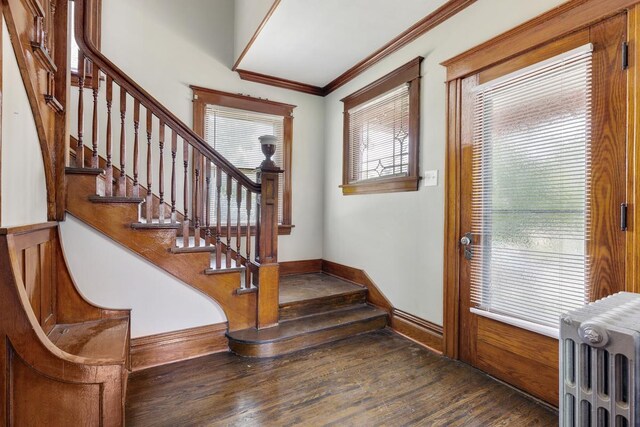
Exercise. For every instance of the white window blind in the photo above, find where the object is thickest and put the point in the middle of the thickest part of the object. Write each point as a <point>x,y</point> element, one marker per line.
<point>379,137</point>
<point>234,134</point>
<point>531,190</point>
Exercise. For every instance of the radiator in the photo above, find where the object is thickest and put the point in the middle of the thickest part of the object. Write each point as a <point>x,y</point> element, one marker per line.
<point>599,355</point>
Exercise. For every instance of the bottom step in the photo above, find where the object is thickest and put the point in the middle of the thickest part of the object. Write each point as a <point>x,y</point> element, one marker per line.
<point>298,334</point>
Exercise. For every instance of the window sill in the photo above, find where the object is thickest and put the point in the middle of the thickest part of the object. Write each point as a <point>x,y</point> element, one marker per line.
<point>390,185</point>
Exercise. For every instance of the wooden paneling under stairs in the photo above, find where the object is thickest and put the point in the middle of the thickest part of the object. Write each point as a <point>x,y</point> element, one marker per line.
<point>314,309</point>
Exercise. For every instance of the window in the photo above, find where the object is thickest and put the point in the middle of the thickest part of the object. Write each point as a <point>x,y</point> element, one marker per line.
<point>381,134</point>
<point>532,180</point>
<point>232,123</point>
<point>76,56</point>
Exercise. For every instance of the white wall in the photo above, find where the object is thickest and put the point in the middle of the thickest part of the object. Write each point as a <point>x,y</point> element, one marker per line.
<point>166,45</point>
<point>112,276</point>
<point>247,18</point>
<point>24,192</point>
<point>398,237</point>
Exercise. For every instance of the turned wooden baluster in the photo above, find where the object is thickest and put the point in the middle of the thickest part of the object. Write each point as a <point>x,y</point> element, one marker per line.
<point>174,152</point>
<point>94,136</point>
<point>218,217</point>
<point>122,182</point>
<point>185,221</point>
<point>80,145</point>
<point>247,271</point>
<point>161,212</point>
<point>228,252</point>
<point>149,202</point>
<point>207,203</point>
<point>109,166</point>
<point>238,222</point>
<point>196,198</point>
<point>135,191</point>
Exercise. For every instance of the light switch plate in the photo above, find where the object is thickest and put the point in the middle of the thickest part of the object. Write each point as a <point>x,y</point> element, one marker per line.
<point>430,178</point>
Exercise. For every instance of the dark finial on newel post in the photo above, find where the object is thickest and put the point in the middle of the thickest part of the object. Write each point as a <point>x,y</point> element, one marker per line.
<point>267,235</point>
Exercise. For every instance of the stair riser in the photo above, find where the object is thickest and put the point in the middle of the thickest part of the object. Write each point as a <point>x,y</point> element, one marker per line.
<point>321,305</point>
<point>278,348</point>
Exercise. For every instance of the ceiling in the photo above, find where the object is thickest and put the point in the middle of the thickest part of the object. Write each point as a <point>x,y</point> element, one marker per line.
<point>315,41</point>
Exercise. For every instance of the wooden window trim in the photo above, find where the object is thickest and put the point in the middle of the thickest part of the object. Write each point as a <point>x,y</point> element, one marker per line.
<point>95,32</point>
<point>203,96</point>
<point>408,73</point>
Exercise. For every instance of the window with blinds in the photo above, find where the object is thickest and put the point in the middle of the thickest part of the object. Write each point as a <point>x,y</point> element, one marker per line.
<point>531,189</point>
<point>234,134</point>
<point>379,137</point>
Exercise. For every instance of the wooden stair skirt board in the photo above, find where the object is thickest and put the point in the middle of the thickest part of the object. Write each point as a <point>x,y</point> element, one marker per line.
<point>171,347</point>
<point>306,332</point>
<point>121,222</point>
<point>421,331</point>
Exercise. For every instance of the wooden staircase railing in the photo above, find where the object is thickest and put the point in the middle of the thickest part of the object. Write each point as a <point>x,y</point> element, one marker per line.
<point>217,200</point>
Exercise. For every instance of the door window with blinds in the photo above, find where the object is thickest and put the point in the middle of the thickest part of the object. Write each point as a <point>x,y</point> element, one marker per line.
<point>531,190</point>
<point>381,134</point>
<point>232,124</point>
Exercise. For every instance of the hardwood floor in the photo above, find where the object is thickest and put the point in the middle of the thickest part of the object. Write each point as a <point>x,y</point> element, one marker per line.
<point>377,378</point>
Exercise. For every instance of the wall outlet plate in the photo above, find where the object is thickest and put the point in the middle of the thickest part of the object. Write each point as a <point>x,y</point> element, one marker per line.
<point>430,178</point>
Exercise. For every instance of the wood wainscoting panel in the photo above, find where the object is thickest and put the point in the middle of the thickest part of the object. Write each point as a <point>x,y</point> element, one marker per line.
<point>419,330</point>
<point>170,347</point>
<point>300,267</point>
<point>537,352</point>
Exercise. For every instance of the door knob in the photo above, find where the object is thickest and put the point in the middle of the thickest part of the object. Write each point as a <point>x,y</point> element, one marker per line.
<point>465,241</point>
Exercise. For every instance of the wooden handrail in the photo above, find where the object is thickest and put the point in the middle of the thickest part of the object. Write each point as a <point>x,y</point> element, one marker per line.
<point>111,70</point>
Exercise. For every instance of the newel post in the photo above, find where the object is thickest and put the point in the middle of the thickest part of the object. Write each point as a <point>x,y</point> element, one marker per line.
<point>267,236</point>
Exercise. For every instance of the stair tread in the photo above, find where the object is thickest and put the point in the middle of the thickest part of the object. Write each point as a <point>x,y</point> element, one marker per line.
<point>83,171</point>
<point>306,325</point>
<point>115,199</point>
<point>156,224</point>
<point>299,288</point>
<point>191,246</point>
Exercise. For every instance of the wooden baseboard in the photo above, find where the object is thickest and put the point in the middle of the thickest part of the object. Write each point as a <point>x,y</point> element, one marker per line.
<point>421,331</point>
<point>417,329</point>
<point>170,347</point>
<point>301,267</point>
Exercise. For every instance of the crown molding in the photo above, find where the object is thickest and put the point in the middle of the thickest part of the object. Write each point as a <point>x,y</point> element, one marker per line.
<point>430,21</point>
<point>279,82</point>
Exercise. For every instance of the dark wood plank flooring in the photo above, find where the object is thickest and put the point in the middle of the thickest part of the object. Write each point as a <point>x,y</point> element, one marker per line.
<point>372,379</point>
<point>301,287</point>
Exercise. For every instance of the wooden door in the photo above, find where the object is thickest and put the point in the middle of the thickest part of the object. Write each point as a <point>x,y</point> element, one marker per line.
<point>511,344</point>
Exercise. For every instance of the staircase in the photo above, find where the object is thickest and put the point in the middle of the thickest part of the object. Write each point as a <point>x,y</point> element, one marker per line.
<point>315,308</point>
<point>198,217</point>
